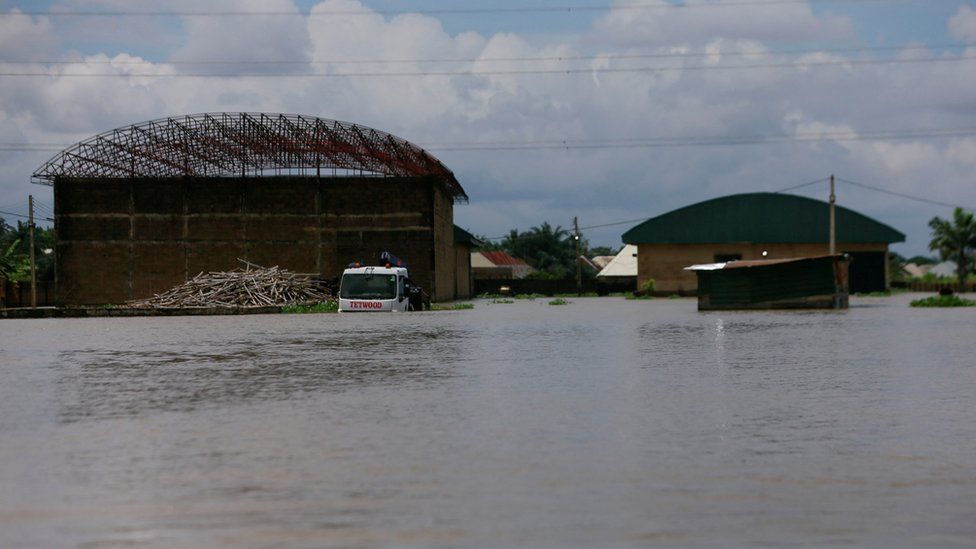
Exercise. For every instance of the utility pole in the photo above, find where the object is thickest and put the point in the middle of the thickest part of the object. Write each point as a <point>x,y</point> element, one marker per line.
<point>30,226</point>
<point>579,268</point>
<point>833,228</point>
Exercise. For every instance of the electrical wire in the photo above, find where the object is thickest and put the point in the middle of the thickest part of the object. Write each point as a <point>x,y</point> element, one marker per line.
<point>507,72</point>
<point>565,9</point>
<point>903,195</point>
<point>801,185</point>
<point>551,58</point>
<point>643,142</point>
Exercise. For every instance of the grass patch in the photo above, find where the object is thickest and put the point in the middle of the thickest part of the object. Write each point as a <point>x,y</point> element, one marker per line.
<point>641,297</point>
<point>874,294</point>
<point>327,307</point>
<point>674,296</point>
<point>503,301</point>
<point>943,301</point>
<point>585,294</point>
<point>529,296</point>
<point>559,301</point>
<point>451,307</point>
<point>487,295</point>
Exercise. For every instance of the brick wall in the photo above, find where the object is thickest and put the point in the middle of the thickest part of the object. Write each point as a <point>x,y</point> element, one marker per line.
<point>122,239</point>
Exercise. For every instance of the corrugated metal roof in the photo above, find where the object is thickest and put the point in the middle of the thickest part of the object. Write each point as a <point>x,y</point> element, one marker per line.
<point>739,264</point>
<point>759,218</point>
<point>502,258</point>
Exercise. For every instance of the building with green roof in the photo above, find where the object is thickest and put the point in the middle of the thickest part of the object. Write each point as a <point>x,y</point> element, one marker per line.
<point>757,226</point>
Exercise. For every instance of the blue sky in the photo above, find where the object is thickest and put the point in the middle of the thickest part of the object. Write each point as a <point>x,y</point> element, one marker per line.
<point>522,188</point>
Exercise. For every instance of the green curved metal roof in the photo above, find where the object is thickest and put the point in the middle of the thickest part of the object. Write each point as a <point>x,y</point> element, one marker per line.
<point>759,217</point>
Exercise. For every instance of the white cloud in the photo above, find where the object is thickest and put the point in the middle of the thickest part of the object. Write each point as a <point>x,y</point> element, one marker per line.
<point>963,24</point>
<point>524,188</point>
<point>25,38</point>
<point>702,23</point>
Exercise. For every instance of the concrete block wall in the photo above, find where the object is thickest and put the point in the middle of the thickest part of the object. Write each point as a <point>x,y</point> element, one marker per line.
<point>122,239</point>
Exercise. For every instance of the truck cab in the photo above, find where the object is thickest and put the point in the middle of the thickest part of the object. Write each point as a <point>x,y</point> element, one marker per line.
<point>374,289</point>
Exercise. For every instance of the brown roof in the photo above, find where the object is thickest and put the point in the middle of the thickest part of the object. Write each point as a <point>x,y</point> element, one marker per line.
<point>502,258</point>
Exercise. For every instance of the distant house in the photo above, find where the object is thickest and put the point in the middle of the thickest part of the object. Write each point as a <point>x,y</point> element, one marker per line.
<point>601,261</point>
<point>758,226</point>
<point>914,270</point>
<point>622,266</point>
<point>946,269</point>
<point>498,265</point>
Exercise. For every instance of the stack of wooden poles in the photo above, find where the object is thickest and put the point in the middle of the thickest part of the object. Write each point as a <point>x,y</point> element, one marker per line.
<point>250,286</point>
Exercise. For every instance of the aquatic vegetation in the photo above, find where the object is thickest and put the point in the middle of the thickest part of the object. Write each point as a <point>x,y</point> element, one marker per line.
<point>451,307</point>
<point>325,307</point>
<point>943,301</point>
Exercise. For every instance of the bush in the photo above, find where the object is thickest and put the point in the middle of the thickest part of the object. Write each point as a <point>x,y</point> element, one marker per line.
<point>943,301</point>
<point>559,301</point>
<point>647,287</point>
<point>326,307</point>
<point>452,307</point>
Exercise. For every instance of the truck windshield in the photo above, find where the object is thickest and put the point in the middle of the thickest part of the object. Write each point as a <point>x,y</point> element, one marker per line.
<point>364,286</point>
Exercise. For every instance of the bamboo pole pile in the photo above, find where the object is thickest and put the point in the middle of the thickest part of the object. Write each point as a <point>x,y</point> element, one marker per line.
<point>250,286</point>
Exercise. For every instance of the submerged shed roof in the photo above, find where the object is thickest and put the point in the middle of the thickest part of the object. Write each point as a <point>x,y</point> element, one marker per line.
<point>760,217</point>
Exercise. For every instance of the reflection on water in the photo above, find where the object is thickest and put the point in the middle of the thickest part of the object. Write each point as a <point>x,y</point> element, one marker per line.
<point>103,383</point>
<point>602,423</point>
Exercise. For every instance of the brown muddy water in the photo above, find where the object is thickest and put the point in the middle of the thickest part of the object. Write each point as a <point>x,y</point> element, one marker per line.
<point>602,423</point>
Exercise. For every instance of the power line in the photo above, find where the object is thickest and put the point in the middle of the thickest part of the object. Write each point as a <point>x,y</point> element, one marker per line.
<point>903,195</point>
<point>644,142</point>
<point>506,72</point>
<point>643,219</point>
<point>801,185</point>
<point>550,58</point>
<point>564,9</point>
<point>639,143</point>
<point>14,214</point>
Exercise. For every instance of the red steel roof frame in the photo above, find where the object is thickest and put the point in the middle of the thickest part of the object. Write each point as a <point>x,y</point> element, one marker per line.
<point>242,144</point>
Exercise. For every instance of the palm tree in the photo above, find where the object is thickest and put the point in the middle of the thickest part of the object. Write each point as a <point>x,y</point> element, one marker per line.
<point>954,240</point>
<point>11,262</point>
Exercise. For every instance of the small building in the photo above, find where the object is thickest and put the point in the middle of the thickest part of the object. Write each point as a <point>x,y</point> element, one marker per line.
<point>946,269</point>
<point>498,265</point>
<point>794,283</point>
<point>758,226</point>
<point>622,266</point>
<point>464,244</point>
<point>601,261</point>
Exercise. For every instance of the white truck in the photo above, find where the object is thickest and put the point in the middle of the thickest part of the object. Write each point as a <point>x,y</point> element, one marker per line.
<point>385,288</point>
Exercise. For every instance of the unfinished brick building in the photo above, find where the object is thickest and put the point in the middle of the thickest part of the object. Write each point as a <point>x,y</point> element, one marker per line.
<point>142,208</point>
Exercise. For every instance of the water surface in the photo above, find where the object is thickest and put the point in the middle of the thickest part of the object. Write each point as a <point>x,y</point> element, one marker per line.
<point>604,422</point>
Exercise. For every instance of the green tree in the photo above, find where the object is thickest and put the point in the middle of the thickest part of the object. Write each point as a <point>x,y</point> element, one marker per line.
<point>14,266</point>
<point>15,251</point>
<point>546,248</point>
<point>601,250</point>
<point>954,239</point>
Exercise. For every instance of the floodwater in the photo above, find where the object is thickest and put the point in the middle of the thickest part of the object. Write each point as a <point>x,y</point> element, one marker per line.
<point>602,423</point>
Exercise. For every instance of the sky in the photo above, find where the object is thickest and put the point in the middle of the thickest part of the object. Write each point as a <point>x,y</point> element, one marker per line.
<point>606,110</point>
